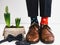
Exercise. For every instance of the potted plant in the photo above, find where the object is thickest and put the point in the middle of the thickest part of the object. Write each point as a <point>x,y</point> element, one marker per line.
<point>13,30</point>
<point>7,17</point>
<point>17,22</point>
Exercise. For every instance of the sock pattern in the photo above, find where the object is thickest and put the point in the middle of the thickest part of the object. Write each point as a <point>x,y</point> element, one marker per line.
<point>44,21</point>
<point>34,20</point>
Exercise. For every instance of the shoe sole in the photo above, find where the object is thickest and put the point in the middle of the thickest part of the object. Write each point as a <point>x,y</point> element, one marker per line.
<point>32,42</point>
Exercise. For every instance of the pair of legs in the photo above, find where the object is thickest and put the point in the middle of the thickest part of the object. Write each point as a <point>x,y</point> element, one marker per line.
<point>45,11</point>
<point>45,8</point>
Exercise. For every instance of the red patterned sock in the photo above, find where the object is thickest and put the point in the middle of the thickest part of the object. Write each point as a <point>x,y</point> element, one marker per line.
<point>44,21</point>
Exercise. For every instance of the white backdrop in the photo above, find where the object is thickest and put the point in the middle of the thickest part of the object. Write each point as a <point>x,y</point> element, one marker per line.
<point>17,8</point>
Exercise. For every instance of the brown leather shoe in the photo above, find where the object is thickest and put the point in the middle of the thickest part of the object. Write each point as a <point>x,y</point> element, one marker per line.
<point>33,35</point>
<point>46,36</point>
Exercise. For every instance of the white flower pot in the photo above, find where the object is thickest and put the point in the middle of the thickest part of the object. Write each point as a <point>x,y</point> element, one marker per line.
<point>13,31</point>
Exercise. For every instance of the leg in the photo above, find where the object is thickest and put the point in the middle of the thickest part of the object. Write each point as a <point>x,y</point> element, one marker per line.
<point>32,35</point>
<point>32,8</point>
<point>45,8</point>
<point>45,12</point>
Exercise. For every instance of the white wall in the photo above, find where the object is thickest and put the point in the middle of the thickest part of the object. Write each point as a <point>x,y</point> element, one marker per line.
<point>17,8</point>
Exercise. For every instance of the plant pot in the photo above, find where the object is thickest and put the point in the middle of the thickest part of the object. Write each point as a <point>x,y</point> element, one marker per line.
<point>12,30</point>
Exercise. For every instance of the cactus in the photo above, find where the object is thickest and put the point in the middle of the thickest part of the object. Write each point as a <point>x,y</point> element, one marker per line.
<point>17,22</point>
<point>7,17</point>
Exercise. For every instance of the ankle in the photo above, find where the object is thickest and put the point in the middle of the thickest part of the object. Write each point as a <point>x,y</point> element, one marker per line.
<point>44,21</point>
